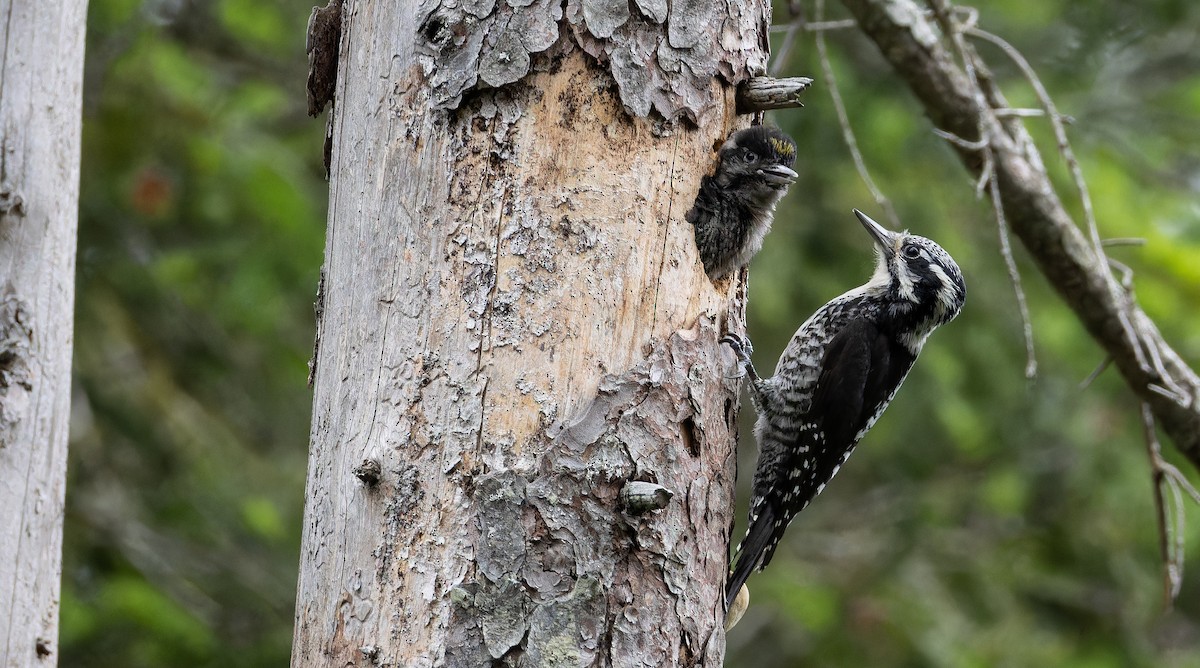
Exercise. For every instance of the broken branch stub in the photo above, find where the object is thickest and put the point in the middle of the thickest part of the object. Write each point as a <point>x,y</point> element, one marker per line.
<point>766,93</point>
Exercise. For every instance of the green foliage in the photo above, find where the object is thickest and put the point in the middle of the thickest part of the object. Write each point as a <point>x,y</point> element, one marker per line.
<point>986,521</point>
<point>201,230</point>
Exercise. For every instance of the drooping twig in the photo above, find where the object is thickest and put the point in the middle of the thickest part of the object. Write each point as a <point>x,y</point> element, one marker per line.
<point>1135,338</point>
<point>1014,276</point>
<point>812,26</point>
<point>1100,368</point>
<point>1171,551</point>
<point>844,120</point>
<point>1035,212</point>
<point>1060,130</point>
<point>988,176</point>
<point>780,58</point>
<point>1124,241</point>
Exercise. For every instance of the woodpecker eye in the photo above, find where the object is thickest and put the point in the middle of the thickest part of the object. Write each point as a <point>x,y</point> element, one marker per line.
<point>750,156</point>
<point>912,252</point>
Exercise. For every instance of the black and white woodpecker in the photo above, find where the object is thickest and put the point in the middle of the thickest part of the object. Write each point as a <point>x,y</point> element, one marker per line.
<point>736,205</point>
<point>835,378</point>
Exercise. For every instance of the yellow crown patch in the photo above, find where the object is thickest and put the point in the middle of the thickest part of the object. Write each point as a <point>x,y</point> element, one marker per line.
<point>782,147</point>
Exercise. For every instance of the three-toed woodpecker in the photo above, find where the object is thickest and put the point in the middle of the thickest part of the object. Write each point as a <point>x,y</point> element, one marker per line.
<point>735,206</point>
<point>835,378</point>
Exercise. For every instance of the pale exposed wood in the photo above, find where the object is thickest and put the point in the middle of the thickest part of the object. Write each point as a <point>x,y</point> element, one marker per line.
<point>516,325</point>
<point>41,70</point>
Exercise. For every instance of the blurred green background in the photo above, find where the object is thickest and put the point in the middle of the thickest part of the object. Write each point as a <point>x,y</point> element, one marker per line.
<point>986,521</point>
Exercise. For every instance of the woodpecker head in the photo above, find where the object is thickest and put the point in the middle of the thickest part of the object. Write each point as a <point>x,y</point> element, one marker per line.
<point>923,284</point>
<point>756,164</point>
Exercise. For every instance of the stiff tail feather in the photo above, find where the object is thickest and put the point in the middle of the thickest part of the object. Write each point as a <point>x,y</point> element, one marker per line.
<point>754,552</point>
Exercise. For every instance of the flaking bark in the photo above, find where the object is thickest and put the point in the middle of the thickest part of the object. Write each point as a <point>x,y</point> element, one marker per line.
<point>322,44</point>
<point>662,56</point>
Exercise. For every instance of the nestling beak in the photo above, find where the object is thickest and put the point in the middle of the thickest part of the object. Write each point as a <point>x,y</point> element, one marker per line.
<point>883,237</point>
<point>778,175</point>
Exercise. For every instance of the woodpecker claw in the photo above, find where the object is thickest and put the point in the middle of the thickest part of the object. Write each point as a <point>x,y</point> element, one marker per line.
<point>741,347</point>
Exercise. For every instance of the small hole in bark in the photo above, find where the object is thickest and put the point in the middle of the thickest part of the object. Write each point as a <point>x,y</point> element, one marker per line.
<point>729,413</point>
<point>434,30</point>
<point>368,471</point>
<point>688,428</point>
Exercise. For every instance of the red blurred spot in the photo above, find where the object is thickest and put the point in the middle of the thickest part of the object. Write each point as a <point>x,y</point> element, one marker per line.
<point>153,193</point>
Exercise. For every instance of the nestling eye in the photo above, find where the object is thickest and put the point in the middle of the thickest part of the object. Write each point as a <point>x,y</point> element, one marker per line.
<point>912,252</point>
<point>749,156</point>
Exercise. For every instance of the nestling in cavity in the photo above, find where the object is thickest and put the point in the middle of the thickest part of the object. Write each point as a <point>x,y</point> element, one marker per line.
<point>835,378</point>
<point>736,205</point>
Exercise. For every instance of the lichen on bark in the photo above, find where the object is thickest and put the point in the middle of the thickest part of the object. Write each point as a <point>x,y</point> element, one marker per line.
<point>16,375</point>
<point>577,555</point>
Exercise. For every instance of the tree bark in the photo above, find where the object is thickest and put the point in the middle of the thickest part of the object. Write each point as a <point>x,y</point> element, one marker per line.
<point>515,330</point>
<point>914,46</point>
<point>41,72</point>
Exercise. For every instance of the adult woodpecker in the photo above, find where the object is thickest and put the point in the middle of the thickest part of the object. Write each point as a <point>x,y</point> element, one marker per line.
<point>835,378</point>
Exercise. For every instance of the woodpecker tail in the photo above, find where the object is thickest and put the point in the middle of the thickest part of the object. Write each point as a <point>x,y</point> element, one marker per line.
<point>755,551</point>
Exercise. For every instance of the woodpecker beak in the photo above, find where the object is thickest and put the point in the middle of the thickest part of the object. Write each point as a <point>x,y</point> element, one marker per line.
<point>778,175</point>
<point>882,236</point>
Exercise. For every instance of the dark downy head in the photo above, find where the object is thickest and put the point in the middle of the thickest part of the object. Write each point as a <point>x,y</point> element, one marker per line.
<point>757,162</point>
<point>924,285</point>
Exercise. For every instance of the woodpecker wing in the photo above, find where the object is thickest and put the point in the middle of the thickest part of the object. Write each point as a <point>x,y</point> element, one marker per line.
<point>862,369</point>
<point>860,372</point>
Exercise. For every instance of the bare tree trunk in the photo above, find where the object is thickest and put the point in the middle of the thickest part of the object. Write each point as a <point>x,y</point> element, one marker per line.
<point>514,330</point>
<point>41,72</point>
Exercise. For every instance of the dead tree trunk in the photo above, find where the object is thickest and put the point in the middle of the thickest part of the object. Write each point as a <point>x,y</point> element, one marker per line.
<point>514,330</point>
<point>41,72</point>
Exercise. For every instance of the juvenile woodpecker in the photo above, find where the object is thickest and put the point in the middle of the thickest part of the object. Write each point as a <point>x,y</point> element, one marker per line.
<point>835,378</point>
<point>735,206</point>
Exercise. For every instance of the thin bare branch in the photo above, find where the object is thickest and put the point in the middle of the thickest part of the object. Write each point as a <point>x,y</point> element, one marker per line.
<point>963,143</point>
<point>1060,130</point>
<point>1124,241</point>
<point>1087,382</point>
<point>1034,211</point>
<point>1014,276</point>
<point>821,26</point>
<point>844,24</point>
<point>844,120</point>
<point>1175,474</point>
<point>1020,113</point>
<point>987,174</point>
<point>793,28</point>
<point>1172,566</point>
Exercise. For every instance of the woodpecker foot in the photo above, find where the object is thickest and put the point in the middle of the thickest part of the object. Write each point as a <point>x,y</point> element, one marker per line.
<point>741,347</point>
<point>742,350</point>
